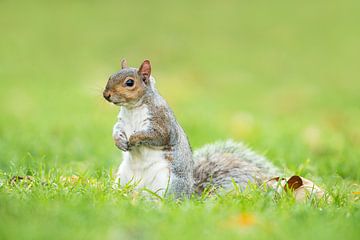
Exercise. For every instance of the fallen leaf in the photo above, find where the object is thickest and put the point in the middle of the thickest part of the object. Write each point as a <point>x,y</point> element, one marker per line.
<point>293,183</point>
<point>302,188</point>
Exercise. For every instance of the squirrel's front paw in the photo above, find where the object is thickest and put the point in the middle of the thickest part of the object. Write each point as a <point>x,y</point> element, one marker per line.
<point>121,142</point>
<point>134,140</point>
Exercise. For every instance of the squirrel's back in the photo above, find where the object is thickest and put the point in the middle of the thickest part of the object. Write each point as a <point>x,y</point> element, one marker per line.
<point>222,163</point>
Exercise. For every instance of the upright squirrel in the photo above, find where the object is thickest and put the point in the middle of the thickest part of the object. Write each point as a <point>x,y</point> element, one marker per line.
<point>156,151</point>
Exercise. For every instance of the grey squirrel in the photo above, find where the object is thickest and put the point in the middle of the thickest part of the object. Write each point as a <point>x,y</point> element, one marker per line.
<point>156,151</point>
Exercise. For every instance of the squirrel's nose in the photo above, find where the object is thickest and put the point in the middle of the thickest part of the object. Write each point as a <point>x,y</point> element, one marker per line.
<point>107,95</point>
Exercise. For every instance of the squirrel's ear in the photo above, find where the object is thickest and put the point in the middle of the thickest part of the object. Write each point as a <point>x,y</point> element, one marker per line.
<point>123,63</point>
<point>145,69</point>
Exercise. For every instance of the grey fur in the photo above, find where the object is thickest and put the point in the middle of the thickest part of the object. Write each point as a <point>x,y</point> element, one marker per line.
<point>221,163</point>
<point>174,142</point>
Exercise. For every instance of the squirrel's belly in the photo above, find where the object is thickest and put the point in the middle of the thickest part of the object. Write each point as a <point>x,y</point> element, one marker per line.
<point>145,167</point>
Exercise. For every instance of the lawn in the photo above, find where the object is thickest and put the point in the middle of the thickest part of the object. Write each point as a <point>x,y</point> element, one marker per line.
<point>281,76</point>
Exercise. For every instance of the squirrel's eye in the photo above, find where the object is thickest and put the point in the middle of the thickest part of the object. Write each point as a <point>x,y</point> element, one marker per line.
<point>129,83</point>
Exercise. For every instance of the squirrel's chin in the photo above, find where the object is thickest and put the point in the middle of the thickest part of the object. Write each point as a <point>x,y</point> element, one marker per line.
<point>123,104</point>
<point>118,104</point>
<point>130,104</point>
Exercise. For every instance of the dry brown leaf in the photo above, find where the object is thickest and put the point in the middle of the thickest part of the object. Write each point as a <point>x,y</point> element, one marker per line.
<point>302,188</point>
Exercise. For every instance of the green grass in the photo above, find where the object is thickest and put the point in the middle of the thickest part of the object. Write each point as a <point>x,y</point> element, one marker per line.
<point>281,76</point>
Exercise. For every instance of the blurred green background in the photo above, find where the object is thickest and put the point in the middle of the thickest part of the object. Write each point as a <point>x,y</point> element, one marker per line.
<point>279,75</point>
<point>282,76</point>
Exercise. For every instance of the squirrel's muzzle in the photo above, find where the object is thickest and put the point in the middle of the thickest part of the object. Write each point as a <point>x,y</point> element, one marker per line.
<point>107,95</point>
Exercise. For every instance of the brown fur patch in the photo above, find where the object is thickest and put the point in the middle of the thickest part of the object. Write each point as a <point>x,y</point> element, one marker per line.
<point>160,122</point>
<point>130,93</point>
<point>136,139</point>
<point>169,157</point>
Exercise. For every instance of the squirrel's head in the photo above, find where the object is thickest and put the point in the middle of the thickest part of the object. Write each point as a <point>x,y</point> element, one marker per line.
<point>128,86</point>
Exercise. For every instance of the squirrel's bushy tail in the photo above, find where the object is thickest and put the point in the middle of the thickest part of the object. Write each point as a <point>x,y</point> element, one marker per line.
<point>221,163</point>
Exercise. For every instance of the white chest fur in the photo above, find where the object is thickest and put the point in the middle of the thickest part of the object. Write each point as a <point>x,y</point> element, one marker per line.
<point>134,120</point>
<point>144,166</point>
